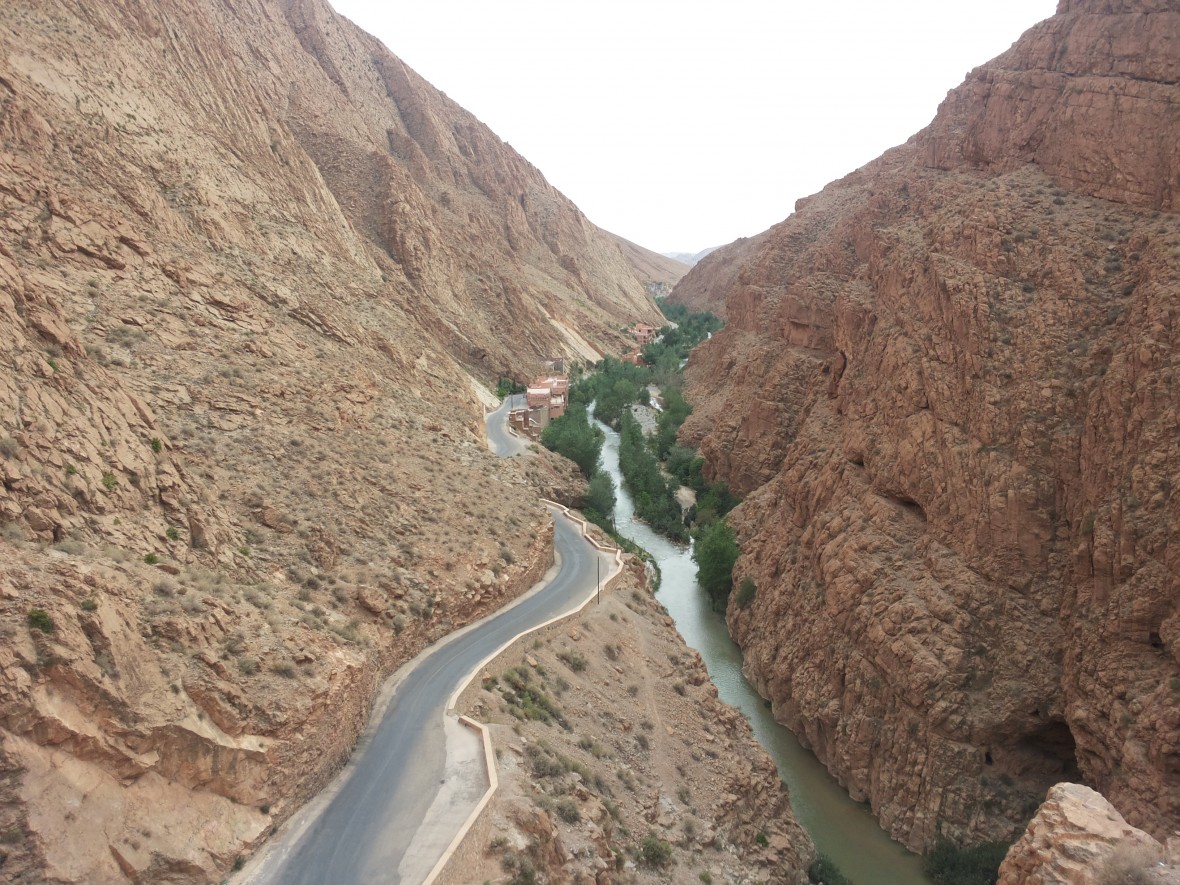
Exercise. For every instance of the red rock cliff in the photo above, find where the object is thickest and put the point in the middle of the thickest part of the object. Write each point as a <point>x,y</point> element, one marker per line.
<point>951,399</point>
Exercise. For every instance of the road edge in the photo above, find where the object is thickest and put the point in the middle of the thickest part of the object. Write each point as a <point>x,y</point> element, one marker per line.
<point>489,751</point>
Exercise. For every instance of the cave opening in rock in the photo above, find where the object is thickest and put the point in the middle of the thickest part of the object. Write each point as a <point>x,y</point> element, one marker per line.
<point>910,506</point>
<point>1053,747</point>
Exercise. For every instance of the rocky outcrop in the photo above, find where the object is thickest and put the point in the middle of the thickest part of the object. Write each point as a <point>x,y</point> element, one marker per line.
<point>948,397</point>
<point>1077,838</point>
<point>252,273</point>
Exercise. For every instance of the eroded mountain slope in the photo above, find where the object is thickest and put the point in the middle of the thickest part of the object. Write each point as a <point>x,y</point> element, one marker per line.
<point>251,270</point>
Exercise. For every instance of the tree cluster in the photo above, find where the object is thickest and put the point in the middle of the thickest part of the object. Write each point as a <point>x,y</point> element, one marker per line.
<point>574,437</point>
<point>655,498</point>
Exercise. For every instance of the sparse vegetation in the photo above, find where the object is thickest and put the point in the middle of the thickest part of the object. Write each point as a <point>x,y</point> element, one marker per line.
<point>567,810</point>
<point>1129,864</point>
<point>947,864</point>
<point>39,619</point>
<point>528,701</point>
<point>655,852</point>
<point>823,870</point>
<point>573,660</point>
<point>747,590</point>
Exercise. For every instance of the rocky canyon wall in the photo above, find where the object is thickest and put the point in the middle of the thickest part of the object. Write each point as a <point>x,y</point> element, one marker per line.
<point>251,269</point>
<point>949,395</point>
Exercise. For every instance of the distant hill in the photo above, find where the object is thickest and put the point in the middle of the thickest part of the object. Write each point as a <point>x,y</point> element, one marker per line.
<point>658,273</point>
<point>690,258</point>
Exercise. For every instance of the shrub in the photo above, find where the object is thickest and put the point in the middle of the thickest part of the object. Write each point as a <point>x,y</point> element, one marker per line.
<point>746,593</point>
<point>947,864</point>
<point>1129,864</point>
<point>172,533</point>
<point>655,852</point>
<point>286,669</point>
<point>39,620</point>
<point>823,870</point>
<point>507,387</point>
<point>151,558</point>
<point>89,604</point>
<point>567,810</point>
<point>109,481</point>
<point>157,446</point>
<point>574,661</point>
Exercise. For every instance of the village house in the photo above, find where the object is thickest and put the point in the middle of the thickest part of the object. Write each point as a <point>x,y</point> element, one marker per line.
<point>644,333</point>
<point>546,398</point>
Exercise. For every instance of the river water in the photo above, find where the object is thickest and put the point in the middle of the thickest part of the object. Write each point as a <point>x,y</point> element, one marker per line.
<point>842,829</point>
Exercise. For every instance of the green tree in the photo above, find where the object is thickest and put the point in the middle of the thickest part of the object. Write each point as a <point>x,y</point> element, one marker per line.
<point>655,500</point>
<point>600,496</point>
<point>573,437</point>
<point>715,552</point>
<point>508,386</point>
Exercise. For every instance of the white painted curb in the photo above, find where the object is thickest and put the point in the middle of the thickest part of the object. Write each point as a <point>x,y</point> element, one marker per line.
<point>489,754</point>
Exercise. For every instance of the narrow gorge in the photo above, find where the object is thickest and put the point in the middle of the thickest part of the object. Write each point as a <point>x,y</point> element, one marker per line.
<point>260,285</point>
<point>947,390</point>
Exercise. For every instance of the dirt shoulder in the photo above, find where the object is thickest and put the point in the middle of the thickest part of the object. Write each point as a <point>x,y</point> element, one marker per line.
<point>618,763</point>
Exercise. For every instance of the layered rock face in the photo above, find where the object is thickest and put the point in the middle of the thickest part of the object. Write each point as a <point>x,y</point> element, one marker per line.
<point>950,396</point>
<point>251,270</point>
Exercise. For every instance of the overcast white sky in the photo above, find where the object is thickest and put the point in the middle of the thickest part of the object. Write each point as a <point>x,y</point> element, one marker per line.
<point>682,124</point>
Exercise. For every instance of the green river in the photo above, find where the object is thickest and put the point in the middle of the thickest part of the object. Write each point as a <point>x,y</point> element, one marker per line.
<point>842,829</point>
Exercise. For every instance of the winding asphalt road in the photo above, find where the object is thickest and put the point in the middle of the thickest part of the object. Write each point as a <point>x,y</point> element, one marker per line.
<point>368,827</point>
<point>500,441</point>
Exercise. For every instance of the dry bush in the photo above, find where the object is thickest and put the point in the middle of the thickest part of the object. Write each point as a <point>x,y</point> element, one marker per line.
<point>1129,864</point>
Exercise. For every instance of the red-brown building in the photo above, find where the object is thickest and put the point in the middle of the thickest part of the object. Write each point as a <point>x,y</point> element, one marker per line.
<point>644,334</point>
<point>546,398</point>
